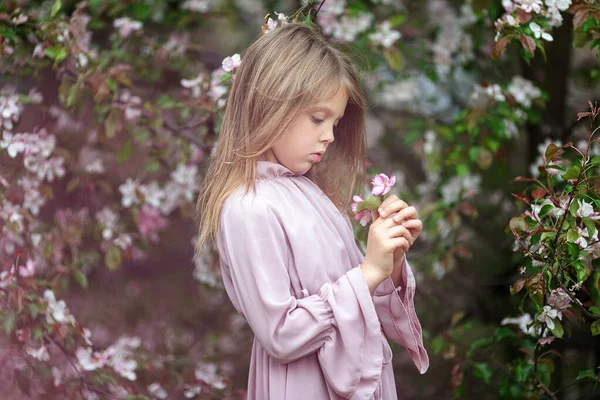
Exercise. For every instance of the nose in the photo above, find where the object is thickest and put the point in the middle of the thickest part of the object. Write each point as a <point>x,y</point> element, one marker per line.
<point>328,136</point>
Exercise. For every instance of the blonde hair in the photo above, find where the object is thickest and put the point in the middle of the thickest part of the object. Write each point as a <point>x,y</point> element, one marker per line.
<point>281,74</point>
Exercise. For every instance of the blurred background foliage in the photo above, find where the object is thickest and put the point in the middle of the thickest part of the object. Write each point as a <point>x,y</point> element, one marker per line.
<point>109,111</point>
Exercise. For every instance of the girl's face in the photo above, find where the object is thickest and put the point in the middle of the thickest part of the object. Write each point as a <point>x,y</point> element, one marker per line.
<point>310,134</point>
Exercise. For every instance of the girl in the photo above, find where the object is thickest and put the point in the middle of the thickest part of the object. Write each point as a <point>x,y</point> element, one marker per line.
<point>275,203</point>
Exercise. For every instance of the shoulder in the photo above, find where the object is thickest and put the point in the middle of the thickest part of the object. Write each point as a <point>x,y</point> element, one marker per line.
<point>243,207</point>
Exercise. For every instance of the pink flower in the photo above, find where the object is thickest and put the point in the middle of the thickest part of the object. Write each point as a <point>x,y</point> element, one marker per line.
<point>150,222</point>
<point>382,184</point>
<point>546,340</point>
<point>363,216</point>
<point>231,63</point>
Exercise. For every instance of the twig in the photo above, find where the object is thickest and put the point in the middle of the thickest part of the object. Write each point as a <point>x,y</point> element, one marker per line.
<point>85,383</point>
<point>535,368</point>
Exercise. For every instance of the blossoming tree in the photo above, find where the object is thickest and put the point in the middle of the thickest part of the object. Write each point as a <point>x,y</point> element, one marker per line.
<point>109,110</point>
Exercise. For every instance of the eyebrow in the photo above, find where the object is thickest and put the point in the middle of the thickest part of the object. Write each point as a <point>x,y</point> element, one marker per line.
<point>326,109</point>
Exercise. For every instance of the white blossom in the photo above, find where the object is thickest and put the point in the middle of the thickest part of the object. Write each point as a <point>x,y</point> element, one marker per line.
<point>39,354</point>
<point>385,35</point>
<point>155,389</point>
<point>200,6</point>
<point>128,191</point>
<point>127,26</point>
<point>539,32</point>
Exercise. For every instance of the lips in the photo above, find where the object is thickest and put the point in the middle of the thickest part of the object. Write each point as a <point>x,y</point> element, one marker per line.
<point>317,156</point>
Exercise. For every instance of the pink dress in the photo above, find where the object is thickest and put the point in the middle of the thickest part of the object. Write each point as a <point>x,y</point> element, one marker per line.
<point>290,266</point>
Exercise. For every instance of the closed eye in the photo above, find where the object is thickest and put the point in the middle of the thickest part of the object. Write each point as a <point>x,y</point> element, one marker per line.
<point>317,120</point>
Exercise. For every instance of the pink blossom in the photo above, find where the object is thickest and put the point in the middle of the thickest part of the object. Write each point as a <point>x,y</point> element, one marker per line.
<point>546,340</point>
<point>28,269</point>
<point>363,216</point>
<point>231,63</point>
<point>382,184</point>
<point>559,299</point>
<point>150,222</point>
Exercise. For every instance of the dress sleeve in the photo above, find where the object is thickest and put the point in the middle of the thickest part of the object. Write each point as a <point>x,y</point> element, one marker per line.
<point>339,323</point>
<point>396,310</point>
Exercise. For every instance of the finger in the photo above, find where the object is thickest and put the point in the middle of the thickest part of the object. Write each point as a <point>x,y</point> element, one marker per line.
<point>400,231</point>
<point>406,213</point>
<point>387,208</point>
<point>374,215</point>
<point>413,224</point>
<point>401,243</point>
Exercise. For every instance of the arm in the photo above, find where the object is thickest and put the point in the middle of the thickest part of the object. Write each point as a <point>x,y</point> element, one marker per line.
<point>396,311</point>
<point>340,322</point>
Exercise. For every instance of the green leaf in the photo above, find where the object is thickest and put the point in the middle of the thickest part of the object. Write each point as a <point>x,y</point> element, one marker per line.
<point>558,330</point>
<point>572,235</point>
<point>551,151</point>
<point>573,250</point>
<point>152,166</point>
<point>483,372</point>
<point>141,135</point>
<point>81,278</point>
<point>518,224</point>
<point>587,374</point>
<point>479,343</point>
<point>110,125</point>
<point>397,20</point>
<point>437,344</point>
<point>55,8</point>
<point>113,258</point>
<point>10,322</point>
<point>394,58</point>
<point>595,328</point>
<point>590,225</point>
<point>371,203</point>
<point>572,173</point>
<point>124,154</point>
<point>33,310</point>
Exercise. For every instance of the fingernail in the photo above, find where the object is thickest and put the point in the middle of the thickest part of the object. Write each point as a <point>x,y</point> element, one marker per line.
<point>381,212</point>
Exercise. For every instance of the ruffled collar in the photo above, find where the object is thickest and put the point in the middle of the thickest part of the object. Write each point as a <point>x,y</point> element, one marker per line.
<point>268,169</point>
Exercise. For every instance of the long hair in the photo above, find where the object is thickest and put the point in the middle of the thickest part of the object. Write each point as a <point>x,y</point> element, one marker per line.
<point>281,75</point>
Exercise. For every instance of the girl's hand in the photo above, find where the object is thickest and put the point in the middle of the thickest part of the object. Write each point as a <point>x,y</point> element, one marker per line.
<point>388,239</point>
<point>401,213</point>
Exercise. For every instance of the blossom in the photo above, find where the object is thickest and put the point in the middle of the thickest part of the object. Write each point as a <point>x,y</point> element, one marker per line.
<point>523,321</point>
<point>57,311</point>
<point>562,5</point>
<point>129,192</point>
<point>89,361</point>
<point>150,222</point>
<point>200,6</point>
<point>207,372</point>
<point>559,299</point>
<point>546,340</point>
<point>523,91</point>
<point>194,84</point>
<point>586,210</point>
<point>272,24</point>
<point>382,184</point>
<point>231,63</point>
<point>127,26</point>
<point>39,354</point>
<point>364,216</point>
<point>538,31</point>
<point>28,269</point>
<point>530,5</point>
<point>548,315</point>
<point>385,36</point>
<point>155,389</point>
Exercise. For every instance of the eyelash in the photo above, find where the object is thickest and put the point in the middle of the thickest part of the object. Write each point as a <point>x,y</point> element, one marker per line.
<point>317,120</point>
